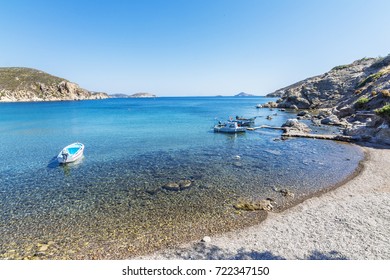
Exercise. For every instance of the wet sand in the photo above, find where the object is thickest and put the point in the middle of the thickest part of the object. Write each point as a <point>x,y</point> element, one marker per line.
<point>350,222</point>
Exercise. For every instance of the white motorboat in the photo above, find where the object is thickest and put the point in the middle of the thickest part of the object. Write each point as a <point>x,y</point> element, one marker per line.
<point>229,127</point>
<point>71,153</point>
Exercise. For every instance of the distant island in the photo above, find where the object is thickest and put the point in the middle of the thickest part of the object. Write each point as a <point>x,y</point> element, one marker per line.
<point>142,95</point>
<point>19,84</point>
<point>135,95</point>
<point>244,94</point>
<point>118,95</point>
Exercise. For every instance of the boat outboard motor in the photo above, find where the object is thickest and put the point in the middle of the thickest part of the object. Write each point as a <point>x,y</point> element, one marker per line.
<point>64,155</point>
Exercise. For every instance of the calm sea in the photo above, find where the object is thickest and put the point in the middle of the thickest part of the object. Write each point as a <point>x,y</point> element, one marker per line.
<point>112,205</point>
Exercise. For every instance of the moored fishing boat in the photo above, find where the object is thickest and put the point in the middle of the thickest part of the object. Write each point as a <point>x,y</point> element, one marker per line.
<point>71,153</point>
<point>229,127</point>
<point>245,121</point>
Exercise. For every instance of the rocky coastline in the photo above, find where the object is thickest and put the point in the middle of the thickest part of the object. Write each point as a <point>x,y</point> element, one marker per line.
<point>19,84</point>
<point>355,97</point>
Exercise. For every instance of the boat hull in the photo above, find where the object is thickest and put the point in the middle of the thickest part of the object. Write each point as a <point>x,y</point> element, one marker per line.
<point>71,153</point>
<point>229,130</point>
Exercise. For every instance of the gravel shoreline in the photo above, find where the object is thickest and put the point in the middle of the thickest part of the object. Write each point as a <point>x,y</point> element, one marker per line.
<point>350,222</point>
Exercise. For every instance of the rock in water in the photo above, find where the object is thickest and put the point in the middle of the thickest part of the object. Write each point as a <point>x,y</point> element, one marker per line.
<point>184,184</point>
<point>181,185</point>
<point>171,186</point>
<point>294,124</point>
<point>265,204</point>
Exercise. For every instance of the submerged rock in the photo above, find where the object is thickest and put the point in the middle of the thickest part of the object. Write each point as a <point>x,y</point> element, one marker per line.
<point>184,184</point>
<point>181,185</point>
<point>171,186</point>
<point>265,204</point>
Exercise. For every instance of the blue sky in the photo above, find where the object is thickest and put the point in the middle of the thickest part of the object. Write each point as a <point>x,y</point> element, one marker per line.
<point>190,47</point>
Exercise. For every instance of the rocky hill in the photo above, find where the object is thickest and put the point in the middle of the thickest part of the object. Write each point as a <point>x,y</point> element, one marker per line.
<point>26,84</point>
<point>342,86</point>
<point>355,96</point>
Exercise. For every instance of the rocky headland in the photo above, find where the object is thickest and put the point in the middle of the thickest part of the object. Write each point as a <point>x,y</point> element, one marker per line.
<point>355,97</point>
<point>18,84</point>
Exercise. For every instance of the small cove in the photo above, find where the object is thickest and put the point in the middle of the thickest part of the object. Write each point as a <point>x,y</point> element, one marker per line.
<point>112,204</point>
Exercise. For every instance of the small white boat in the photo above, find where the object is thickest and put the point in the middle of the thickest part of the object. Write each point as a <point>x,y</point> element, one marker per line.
<point>71,153</point>
<point>229,127</point>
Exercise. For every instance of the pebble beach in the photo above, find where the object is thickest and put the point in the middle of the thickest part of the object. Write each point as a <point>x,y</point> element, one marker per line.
<point>349,222</point>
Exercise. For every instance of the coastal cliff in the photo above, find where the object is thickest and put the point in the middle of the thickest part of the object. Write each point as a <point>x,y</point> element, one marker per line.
<point>342,86</point>
<point>18,84</point>
<point>355,96</point>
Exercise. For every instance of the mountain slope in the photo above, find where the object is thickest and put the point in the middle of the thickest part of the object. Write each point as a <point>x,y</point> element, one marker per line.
<point>342,86</point>
<point>26,84</point>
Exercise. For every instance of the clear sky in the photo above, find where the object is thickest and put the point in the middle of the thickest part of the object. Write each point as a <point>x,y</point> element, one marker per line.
<point>190,47</point>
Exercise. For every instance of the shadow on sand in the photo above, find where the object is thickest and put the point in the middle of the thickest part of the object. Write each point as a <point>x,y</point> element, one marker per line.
<point>202,251</point>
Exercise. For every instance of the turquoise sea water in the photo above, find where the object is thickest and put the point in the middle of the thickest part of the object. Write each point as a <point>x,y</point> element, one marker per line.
<point>112,203</point>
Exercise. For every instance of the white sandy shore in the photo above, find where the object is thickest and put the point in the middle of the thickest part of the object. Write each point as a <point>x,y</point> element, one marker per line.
<point>351,222</point>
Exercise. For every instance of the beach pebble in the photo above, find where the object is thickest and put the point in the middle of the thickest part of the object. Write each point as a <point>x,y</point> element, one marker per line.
<point>206,239</point>
<point>43,248</point>
<point>286,192</point>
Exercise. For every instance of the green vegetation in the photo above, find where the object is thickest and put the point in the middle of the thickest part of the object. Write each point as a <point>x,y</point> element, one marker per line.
<point>341,67</point>
<point>16,78</point>
<point>360,103</point>
<point>373,77</point>
<point>384,111</point>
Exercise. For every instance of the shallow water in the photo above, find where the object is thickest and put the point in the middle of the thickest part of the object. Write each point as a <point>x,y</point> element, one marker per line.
<point>112,203</point>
